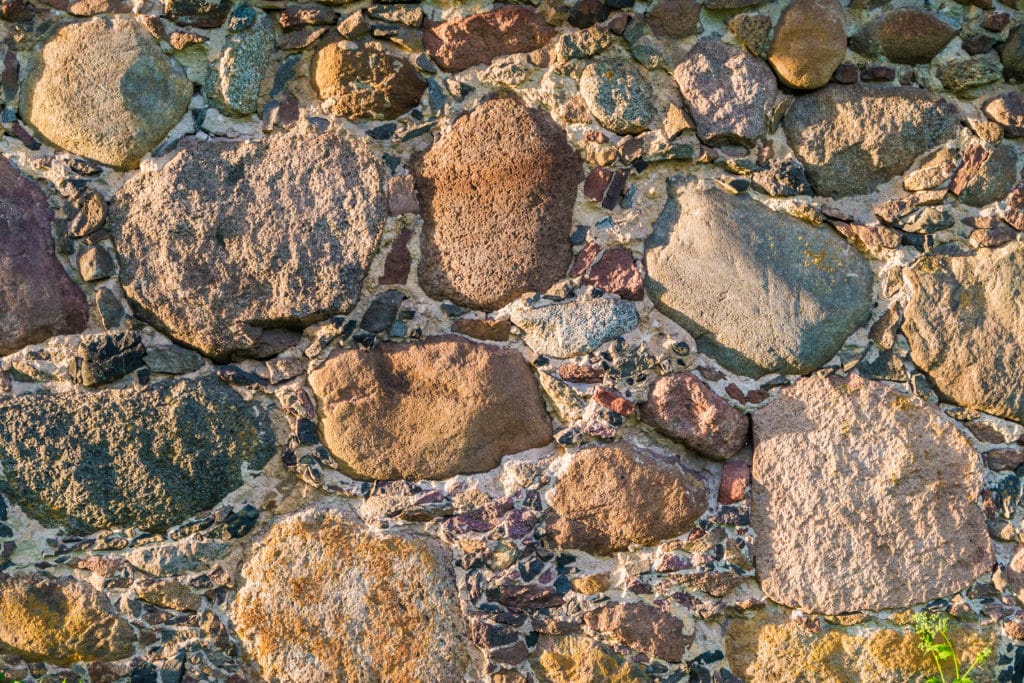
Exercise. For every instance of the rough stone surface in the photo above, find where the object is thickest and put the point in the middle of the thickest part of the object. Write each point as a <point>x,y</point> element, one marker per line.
<point>828,449</point>
<point>270,236</point>
<point>497,197</point>
<point>463,42</point>
<point>852,138</point>
<point>37,298</point>
<point>165,452</point>
<point>987,174</point>
<point>618,95</point>
<point>59,621</point>
<point>767,649</point>
<point>234,85</point>
<point>760,291</point>
<point>685,408</point>
<point>674,18</point>
<point>609,498</point>
<point>809,43</point>
<point>727,91</point>
<point>642,627</point>
<point>1007,109</point>
<point>366,82</point>
<point>428,410</point>
<point>571,328</point>
<point>325,599</point>
<point>965,323</point>
<point>577,659</point>
<point>103,89</point>
<point>907,35</point>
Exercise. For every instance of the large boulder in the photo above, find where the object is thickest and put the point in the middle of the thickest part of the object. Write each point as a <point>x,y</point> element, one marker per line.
<point>37,297</point>
<point>325,599</point>
<point>908,35</point>
<point>366,82</point>
<point>809,43</point>
<point>727,91</point>
<point>889,482</point>
<point>851,138</point>
<point>428,410</point>
<point>760,291</point>
<point>965,325</point>
<point>104,89</point>
<point>611,497</point>
<point>60,621</point>
<point>498,192</point>
<point>148,458</point>
<point>231,247</point>
<point>463,42</point>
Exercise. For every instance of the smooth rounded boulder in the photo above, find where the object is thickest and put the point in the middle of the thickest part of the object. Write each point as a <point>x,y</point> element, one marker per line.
<point>104,89</point>
<point>37,298</point>
<point>965,326</point>
<point>809,43</point>
<point>885,477</point>
<point>323,598</point>
<point>428,410</point>
<point>232,248</point>
<point>760,291</point>
<point>498,192</point>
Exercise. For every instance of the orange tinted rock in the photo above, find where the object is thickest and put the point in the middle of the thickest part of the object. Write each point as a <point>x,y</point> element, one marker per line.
<point>477,39</point>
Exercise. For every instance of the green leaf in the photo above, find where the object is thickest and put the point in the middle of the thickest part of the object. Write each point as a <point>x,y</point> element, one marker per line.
<point>943,651</point>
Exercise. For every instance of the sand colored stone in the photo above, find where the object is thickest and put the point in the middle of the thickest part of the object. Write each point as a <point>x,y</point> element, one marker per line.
<point>367,82</point>
<point>809,43</point>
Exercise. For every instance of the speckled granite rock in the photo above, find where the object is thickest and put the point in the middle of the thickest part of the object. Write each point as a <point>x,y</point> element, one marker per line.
<point>760,291</point>
<point>147,457</point>
<point>324,598</point>
<point>571,328</point>
<point>428,410</point>
<point>270,236</point>
<point>618,95</point>
<point>103,89</point>
<point>828,449</point>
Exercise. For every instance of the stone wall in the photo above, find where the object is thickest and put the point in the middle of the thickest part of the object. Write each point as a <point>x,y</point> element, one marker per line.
<point>580,341</point>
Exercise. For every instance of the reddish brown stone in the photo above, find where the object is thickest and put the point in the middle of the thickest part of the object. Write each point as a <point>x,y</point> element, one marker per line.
<point>366,82</point>
<point>37,297</point>
<point>477,39</point>
<point>613,400</point>
<point>487,330</point>
<point>398,261</point>
<point>674,18</point>
<point>617,272</point>
<point>1002,459</point>
<point>1008,111</point>
<point>868,236</point>
<point>596,184</point>
<point>402,196</point>
<point>301,39</point>
<point>907,35</point>
<point>684,408</point>
<point>16,10</point>
<point>572,372</point>
<point>584,259</point>
<point>735,480</point>
<point>497,192</point>
<point>995,21</point>
<point>994,236</point>
<point>642,627</point>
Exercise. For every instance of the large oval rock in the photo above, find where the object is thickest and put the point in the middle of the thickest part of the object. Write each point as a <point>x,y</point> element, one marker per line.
<point>609,498</point>
<point>148,458</point>
<point>37,298</point>
<point>60,621</point>
<point>809,43</point>
<point>366,82</point>
<point>907,35</point>
<point>830,448</point>
<point>463,42</point>
<point>727,91</point>
<point>760,291</point>
<point>852,138</point>
<point>428,410</point>
<point>498,193</point>
<point>229,248</point>
<point>965,325</point>
<point>325,599</point>
<point>103,89</point>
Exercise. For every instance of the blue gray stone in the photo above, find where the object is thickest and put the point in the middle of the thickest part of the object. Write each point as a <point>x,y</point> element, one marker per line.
<point>571,328</point>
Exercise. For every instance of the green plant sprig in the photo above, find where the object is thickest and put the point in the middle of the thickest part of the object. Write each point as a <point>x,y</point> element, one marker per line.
<point>932,632</point>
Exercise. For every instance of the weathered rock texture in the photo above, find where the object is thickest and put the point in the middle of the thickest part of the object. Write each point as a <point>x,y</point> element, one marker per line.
<point>366,82</point>
<point>809,43</point>
<point>683,407</point>
<point>575,327</point>
<point>761,291</point>
<point>37,298</point>
<point>498,192</point>
<point>852,138</point>
<point>907,35</point>
<point>326,599</point>
<point>428,410</point>
<point>60,620</point>
<point>965,323</point>
<point>886,478</point>
<point>268,236</point>
<point>103,89</point>
<point>608,498</point>
<point>147,457</point>
<point>477,39</point>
